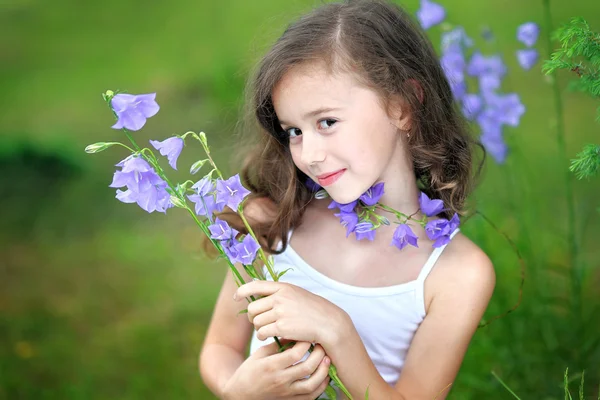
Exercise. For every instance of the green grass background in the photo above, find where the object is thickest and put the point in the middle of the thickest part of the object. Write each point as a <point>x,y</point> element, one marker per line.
<point>101,300</point>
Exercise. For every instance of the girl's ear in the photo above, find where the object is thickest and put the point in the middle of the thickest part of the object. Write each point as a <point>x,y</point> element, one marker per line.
<point>400,114</point>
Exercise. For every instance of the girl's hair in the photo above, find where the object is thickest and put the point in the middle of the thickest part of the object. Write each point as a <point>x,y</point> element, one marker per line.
<point>385,50</point>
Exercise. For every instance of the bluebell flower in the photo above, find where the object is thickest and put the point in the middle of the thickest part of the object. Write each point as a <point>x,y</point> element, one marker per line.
<point>403,236</point>
<point>430,14</point>
<point>133,110</point>
<point>528,33</point>
<point>527,58</point>
<point>171,148</point>
<point>144,186</point>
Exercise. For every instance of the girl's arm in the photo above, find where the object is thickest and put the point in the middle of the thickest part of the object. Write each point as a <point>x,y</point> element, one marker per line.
<point>440,343</point>
<point>228,335</point>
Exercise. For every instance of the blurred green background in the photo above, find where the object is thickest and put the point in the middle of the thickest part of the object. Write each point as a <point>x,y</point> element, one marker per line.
<point>99,299</point>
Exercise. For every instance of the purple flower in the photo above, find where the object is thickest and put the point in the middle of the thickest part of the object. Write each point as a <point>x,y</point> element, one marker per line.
<point>441,231</point>
<point>144,186</point>
<point>508,107</point>
<point>206,205</point>
<point>133,110</point>
<point>527,33</point>
<point>364,230</point>
<point>437,228</point>
<point>204,198</point>
<point>220,230</point>
<point>231,192</point>
<point>171,148</point>
<point>346,208</point>
<point>430,207</point>
<point>456,39</point>
<point>430,14</point>
<point>312,185</point>
<point>527,58</point>
<point>488,83</point>
<point>453,63</point>
<point>349,220</point>
<point>472,105</point>
<point>204,186</point>
<point>480,65</point>
<point>373,194</point>
<point>242,252</point>
<point>403,236</point>
<point>495,146</point>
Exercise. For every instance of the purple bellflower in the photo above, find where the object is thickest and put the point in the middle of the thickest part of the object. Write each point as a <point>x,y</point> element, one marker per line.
<point>231,192</point>
<point>373,194</point>
<point>204,199</point>
<point>364,230</point>
<point>171,148</point>
<point>144,186</point>
<point>220,230</point>
<point>527,58</point>
<point>403,236</point>
<point>528,33</point>
<point>243,252</point>
<point>133,110</point>
<point>430,14</point>
<point>430,207</point>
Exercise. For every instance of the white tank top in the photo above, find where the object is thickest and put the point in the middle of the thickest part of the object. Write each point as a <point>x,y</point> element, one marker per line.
<point>386,318</point>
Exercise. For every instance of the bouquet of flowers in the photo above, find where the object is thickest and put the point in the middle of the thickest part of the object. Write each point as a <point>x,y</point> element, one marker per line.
<point>142,180</point>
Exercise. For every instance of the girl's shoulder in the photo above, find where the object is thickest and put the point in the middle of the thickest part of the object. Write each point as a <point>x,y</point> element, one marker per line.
<point>463,270</point>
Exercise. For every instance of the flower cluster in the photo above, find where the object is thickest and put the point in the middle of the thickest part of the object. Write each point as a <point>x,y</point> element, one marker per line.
<point>359,217</point>
<point>146,184</point>
<point>487,106</point>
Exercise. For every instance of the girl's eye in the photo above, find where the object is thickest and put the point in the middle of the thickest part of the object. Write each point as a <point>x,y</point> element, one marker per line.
<point>293,134</point>
<point>326,123</point>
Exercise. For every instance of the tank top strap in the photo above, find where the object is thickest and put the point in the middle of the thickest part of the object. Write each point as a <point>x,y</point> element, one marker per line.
<point>429,264</point>
<point>433,257</point>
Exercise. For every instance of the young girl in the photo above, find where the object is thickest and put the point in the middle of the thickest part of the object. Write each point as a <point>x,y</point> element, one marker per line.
<point>352,94</point>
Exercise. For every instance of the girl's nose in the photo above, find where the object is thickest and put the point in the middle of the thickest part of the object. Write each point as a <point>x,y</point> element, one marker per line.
<point>313,149</point>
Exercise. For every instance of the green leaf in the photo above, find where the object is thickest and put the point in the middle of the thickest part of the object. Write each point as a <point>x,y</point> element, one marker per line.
<point>279,275</point>
<point>330,392</point>
<point>244,311</point>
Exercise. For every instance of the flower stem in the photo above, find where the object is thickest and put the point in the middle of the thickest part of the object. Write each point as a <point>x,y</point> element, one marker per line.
<point>560,138</point>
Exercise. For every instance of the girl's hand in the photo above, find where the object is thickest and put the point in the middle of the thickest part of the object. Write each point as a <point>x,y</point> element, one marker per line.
<point>270,375</point>
<point>293,313</point>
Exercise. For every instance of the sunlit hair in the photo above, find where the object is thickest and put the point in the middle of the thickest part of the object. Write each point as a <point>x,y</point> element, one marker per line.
<point>386,51</point>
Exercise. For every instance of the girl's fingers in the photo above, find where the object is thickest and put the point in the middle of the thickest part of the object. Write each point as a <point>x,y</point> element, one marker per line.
<point>258,307</point>
<point>307,367</point>
<point>319,391</point>
<point>315,382</point>
<point>265,318</point>
<point>291,356</point>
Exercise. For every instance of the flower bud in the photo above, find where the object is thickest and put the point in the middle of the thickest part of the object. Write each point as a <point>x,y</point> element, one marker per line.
<point>321,194</point>
<point>176,201</point>
<point>384,220</point>
<point>197,166</point>
<point>97,147</point>
<point>203,138</point>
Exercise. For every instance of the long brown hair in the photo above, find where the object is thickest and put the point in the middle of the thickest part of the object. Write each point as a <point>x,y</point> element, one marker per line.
<point>381,45</point>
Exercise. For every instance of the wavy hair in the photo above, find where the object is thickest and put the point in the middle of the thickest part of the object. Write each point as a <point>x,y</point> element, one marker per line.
<point>382,46</point>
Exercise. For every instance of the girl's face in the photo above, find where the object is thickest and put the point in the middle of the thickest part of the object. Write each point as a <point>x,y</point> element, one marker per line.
<point>340,134</point>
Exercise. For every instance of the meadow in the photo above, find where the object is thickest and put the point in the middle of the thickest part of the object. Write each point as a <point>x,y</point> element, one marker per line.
<point>100,300</point>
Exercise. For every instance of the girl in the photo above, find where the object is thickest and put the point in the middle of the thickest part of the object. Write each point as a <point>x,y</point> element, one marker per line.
<point>352,94</point>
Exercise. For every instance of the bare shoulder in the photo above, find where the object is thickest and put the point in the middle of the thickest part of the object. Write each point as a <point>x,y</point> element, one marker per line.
<point>463,271</point>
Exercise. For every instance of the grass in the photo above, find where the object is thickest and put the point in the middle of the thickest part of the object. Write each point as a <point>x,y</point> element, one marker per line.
<point>101,300</point>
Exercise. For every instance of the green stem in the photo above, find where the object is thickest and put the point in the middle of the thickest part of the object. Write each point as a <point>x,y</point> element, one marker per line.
<point>505,385</point>
<point>560,137</point>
